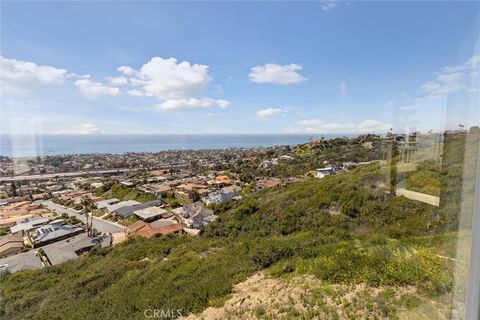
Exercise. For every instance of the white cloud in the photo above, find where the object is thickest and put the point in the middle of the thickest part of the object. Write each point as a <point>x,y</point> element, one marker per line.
<point>136,93</point>
<point>328,5</point>
<point>274,73</point>
<point>454,79</point>
<point>129,71</point>
<point>118,81</point>
<point>166,79</point>
<point>93,89</point>
<point>17,76</point>
<point>265,113</point>
<point>190,103</point>
<point>176,85</point>
<point>320,126</point>
<point>84,128</point>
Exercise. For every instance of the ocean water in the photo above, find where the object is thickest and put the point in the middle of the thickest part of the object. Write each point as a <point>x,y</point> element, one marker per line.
<point>30,146</point>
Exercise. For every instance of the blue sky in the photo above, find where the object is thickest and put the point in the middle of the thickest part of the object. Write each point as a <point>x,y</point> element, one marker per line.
<point>238,67</point>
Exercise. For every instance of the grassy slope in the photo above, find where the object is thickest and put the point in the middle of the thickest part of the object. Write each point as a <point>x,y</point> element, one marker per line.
<point>293,229</point>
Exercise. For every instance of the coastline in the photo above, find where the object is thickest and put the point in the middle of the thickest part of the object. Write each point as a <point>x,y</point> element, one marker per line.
<point>27,146</point>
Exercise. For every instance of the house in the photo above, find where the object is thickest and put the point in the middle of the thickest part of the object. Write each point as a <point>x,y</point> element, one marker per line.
<point>266,164</point>
<point>115,207</point>
<point>225,194</point>
<point>28,224</point>
<point>21,261</point>
<point>195,215</point>
<point>11,244</point>
<point>127,211</point>
<point>327,171</point>
<point>50,233</point>
<point>267,183</point>
<point>71,248</point>
<point>127,184</point>
<point>188,187</point>
<point>156,189</point>
<point>151,213</point>
<point>294,180</point>
<point>212,198</point>
<point>202,219</point>
<point>222,180</point>
<point>228,193</point>
<point>102,204</point>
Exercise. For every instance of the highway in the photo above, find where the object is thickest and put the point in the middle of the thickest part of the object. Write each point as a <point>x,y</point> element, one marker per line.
<point>63,175</point>
<point>49,176</point>
<point>99,224</point>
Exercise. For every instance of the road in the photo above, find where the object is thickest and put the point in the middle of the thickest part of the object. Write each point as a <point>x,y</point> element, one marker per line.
<point>99,224</point>
<point>48,176</point>
<point>422,197</point>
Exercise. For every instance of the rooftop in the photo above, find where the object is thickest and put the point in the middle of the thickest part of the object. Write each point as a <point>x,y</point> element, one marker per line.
<point>150,213</point>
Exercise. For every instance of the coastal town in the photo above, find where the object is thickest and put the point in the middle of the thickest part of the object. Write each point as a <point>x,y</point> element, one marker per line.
<point>57,208</point>
<point>240,160</point>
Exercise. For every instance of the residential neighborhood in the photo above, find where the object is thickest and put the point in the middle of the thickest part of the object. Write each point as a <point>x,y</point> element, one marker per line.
<point>62,207</point>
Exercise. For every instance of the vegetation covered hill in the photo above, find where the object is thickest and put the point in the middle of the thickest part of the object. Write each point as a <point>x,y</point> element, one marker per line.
<point>344,229</point>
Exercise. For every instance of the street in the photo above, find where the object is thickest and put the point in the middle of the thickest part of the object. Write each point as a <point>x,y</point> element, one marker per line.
<point>99,224</point>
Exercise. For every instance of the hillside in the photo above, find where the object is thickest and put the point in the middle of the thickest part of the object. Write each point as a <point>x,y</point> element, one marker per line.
<point>343,229</point>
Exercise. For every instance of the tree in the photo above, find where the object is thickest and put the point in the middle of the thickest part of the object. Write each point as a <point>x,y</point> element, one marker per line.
<point>194,195</point>
<point>14,189</point>
<point>87,206</point>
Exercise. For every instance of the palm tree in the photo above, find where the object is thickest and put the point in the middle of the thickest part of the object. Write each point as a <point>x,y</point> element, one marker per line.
<point>87,206</point>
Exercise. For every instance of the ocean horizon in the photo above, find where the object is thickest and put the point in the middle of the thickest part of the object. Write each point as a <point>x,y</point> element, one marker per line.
<point>49,145</point>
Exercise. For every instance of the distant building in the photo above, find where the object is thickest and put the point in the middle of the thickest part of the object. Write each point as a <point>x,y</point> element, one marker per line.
<point>221,181</point>
<point>327,171</point>
<point>267,183</point>
<point>157,190</point>
<point>293,180</point>
<point>230,192</point>
<point>127,183</point>
<point>266,164</point>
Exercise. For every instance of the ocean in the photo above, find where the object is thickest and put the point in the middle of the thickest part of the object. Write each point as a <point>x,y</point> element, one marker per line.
<point>31,146</point>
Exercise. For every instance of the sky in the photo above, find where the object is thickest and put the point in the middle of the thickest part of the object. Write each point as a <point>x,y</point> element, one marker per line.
<point>118,67</point>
